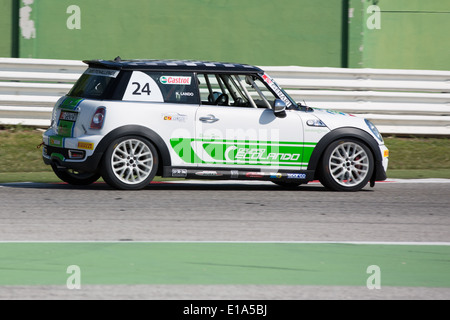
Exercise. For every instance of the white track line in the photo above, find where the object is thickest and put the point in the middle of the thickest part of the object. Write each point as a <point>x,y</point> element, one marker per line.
<point>407,243</point>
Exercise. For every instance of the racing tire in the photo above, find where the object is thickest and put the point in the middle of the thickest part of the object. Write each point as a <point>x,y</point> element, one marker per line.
<point>74,177</point>
<point>129,163</point>
<point>346,165</point>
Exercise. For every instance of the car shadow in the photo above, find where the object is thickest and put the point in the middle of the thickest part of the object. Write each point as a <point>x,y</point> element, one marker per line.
<point>173,185</point>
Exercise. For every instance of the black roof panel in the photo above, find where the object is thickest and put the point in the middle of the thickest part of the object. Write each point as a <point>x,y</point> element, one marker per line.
<point>174,65</point>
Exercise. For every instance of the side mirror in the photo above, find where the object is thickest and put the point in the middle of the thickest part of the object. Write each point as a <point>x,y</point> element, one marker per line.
<point>279,108</point>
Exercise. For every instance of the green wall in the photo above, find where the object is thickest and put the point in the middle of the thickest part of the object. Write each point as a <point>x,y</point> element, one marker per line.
<point>6,27</point>
<point>412,34</point>
<point>282,32</point>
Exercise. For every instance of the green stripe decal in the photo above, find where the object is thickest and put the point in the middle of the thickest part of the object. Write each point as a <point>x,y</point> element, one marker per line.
<point>58,155</point>
<point>70,103</point>
<point>184,150</point>
<point>224,263</point>
<point>65,128</point>
<point>240,152</point>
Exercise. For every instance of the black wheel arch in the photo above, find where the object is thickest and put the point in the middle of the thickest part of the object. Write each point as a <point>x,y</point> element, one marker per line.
<point>348,132</point>
<point>137,130</point>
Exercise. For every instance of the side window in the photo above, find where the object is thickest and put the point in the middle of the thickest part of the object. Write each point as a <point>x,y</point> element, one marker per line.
<point>259,92</point>
<point>234,90</point>
<point>166,87</point>
<point>215,90</point>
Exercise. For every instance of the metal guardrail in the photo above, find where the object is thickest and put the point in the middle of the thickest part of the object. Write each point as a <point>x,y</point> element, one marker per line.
<point>397,101</point>
<point>30,87</point>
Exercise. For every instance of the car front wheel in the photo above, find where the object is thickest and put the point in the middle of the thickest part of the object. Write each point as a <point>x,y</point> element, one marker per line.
<point>130,163</point>
<point>347,165</point>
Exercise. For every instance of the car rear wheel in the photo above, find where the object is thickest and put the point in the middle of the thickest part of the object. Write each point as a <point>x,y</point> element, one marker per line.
<point>347,165</point>
<point>74,177</point>
<point>130,163</point>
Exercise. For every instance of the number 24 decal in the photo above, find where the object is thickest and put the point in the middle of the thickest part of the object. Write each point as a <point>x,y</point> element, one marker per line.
<point>139,91</point>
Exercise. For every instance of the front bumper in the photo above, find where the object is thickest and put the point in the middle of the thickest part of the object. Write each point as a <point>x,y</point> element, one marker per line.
<point>381,166</point>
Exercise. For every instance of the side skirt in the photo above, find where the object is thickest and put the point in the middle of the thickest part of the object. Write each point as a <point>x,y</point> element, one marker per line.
<point>302,176</point>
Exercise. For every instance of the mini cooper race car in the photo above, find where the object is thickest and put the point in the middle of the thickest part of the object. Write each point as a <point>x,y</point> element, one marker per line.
<point>128,121</point>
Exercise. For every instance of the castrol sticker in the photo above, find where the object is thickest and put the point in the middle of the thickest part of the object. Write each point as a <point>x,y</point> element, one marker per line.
<point>175,80</point>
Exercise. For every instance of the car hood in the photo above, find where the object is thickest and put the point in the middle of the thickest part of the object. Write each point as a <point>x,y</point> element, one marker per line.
<point>334,119</point>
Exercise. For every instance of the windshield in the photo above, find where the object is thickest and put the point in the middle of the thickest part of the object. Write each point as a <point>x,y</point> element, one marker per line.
<point>290,103</point>
<point>93,83</point>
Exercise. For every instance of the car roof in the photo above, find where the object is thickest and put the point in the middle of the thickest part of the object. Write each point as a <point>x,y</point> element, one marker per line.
<point>173,65</point>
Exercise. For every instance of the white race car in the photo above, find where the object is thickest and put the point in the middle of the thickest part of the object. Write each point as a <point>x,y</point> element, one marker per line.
<point>131,120</point>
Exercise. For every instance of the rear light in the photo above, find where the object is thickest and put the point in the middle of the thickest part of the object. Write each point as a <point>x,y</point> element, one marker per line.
<point>98,118</point>
<point>76,154</point>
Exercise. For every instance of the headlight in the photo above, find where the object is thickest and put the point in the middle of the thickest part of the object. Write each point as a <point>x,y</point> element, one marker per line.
<point>374,130</point>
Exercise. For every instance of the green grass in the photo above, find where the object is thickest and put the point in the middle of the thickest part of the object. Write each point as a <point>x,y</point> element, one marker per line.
<point>409,157</point>
<point>19,151</point>
<point>418,153</point>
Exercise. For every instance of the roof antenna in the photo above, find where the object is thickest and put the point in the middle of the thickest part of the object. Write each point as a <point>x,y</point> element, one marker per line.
<point>117,59</point>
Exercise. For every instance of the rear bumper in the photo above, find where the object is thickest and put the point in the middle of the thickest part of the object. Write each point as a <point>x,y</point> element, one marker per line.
<point>60,150</point>
<point>59,157</point>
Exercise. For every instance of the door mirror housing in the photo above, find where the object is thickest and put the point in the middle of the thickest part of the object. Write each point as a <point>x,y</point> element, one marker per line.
<point>279,108</point>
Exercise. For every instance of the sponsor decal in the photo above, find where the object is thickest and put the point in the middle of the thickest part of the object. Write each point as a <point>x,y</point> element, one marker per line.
<point>234,174</point>
<point>337,112</point>
<point>208,173</point>
<point>262,154</point>
<point>85,145</point>
<point>334,112</point>
<point>175,80</point>
<point>277,90</point>
<point>102,72</point>
<point>179,173</point>
<point>296,176</point>
<point>184,94</point>
<point>56,142</point>
<point>267,79</point>
<point>254,174</point>
<point>386,153</point>
<point>276,175</point>
<point>174,117</point>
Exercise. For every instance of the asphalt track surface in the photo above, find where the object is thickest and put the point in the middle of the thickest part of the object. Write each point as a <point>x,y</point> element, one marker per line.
<point>394,212</point>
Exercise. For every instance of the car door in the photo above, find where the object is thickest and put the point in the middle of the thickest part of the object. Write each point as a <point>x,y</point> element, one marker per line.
<point>242,131</point>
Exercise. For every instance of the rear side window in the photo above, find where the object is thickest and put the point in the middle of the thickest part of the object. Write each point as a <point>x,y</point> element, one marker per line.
<point>169,87</point>
<point>94,83</point>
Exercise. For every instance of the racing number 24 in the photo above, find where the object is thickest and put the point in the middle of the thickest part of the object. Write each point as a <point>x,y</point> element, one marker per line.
<point>139,91</point>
